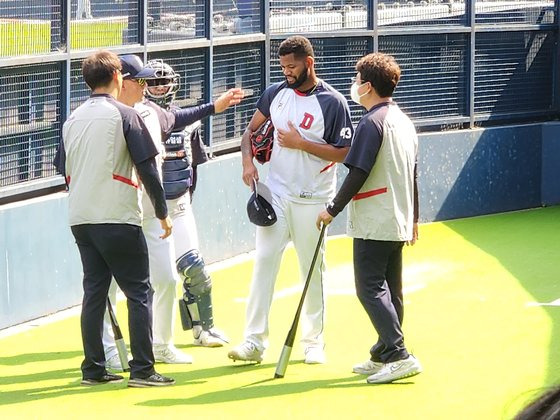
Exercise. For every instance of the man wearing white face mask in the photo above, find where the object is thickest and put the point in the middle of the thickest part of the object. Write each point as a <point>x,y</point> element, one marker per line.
<point>382,192</point>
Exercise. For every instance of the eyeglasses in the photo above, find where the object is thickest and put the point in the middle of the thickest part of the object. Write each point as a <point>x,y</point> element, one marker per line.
<point>354,80</point>
<point>141,82</point>
<point>158,82</point>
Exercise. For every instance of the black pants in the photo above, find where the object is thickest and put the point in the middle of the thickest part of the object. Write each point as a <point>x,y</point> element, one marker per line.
<point>378,276</point>
<point>119,251</point>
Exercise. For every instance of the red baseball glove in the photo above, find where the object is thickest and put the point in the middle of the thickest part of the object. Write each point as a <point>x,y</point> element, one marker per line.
<point>262,141</point>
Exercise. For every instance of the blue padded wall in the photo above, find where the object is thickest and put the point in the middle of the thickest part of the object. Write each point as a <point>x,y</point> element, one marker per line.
<point>474,172</point>
<point>550,164</point>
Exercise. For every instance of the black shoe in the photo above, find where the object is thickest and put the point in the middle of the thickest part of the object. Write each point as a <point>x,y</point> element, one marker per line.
<point>153,380</point>
<point>105,379</point>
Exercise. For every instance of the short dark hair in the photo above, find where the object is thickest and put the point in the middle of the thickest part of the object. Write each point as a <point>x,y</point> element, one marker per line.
<point>297,45</point>
<point>381,70</point>
<point>98,68</point>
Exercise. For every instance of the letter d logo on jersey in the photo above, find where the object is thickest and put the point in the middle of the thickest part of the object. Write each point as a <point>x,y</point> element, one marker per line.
<point>307,121</point>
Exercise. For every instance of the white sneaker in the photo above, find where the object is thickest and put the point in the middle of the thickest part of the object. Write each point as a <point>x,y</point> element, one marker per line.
<point>368,367</point>
<point>394,371</point>
<point>114,363</point>
<point>171,355</point>
<point>211,338</point>
<point>246,351</point>
<point>314,355</point>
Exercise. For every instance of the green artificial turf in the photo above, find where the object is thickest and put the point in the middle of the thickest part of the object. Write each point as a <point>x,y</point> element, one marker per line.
<point>474,290</point>
<point>20,36</point>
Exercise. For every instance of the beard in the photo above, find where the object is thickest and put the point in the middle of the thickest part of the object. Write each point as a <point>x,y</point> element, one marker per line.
<point>300,80</point>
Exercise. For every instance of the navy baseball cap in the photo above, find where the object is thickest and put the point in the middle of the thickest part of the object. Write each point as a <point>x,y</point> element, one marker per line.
<point>259,207</point>
<point>133,68</point>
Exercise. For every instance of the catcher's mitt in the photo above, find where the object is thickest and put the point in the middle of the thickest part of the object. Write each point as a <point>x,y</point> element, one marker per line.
<point>262,140</point>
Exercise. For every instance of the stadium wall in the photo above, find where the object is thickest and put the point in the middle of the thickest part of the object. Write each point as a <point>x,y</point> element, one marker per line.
<point>461,174</point>
<point>550,194</point>
<point>481,171</point>
<point>39,261</point>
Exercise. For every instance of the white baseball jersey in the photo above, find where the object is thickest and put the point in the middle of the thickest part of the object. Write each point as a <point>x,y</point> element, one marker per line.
<point>320,116</point>
<point>151,120</point>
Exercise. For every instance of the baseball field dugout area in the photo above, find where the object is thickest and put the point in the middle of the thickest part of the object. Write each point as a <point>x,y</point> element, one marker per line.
<point>479,80</point>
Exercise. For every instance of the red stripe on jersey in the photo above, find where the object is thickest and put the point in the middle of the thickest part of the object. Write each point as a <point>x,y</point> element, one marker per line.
<point>68,180</point>
<point>371,193</point>
<point>125,180</point>
<point>330,165</point>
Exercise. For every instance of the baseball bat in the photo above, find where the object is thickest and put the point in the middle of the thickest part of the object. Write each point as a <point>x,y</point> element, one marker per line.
<point>119,340</point>
<point>282,364</point>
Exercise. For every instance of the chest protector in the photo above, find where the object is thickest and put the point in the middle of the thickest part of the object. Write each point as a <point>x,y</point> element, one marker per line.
<point>177,164</point>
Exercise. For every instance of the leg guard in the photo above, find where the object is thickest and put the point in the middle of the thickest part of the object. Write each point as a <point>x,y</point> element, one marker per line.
<point>186,319</point>
<point>196,305</point>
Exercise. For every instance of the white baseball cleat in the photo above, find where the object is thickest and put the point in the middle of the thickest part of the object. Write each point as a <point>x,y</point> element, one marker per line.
<point>211,338</point>
<point>369,367</point>
<point>314,356</point>
<point>246,351</point>
<point>114,363</point>
<point>393,371</point>
<point>171,355</point>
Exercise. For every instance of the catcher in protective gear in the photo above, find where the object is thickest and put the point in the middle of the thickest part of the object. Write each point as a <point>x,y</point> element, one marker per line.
<point>262,141</point>
<point>184,151</point>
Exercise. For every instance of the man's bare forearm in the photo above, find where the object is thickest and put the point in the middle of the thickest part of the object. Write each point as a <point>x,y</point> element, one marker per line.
<point>325,151</point>
<point>246,151</point>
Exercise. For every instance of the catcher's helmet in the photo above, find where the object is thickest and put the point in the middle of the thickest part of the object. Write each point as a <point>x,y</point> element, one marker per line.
<point>259,207</point>
<point>163,86</point>
<point>262,141</point>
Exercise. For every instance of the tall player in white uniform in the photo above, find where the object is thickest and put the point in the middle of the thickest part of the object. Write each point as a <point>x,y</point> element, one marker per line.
<point>313,131</point>
<point>176,256</point>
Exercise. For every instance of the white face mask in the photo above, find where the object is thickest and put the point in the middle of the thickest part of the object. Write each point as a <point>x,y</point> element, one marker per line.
<point>354,95</point>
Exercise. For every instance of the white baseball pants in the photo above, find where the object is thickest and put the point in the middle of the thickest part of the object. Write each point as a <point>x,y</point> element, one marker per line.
<point>295,222</point>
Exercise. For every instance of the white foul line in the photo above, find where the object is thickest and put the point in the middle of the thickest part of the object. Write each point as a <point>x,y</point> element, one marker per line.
<point>553,303</point>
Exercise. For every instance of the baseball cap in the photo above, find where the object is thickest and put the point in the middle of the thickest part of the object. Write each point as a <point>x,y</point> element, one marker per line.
<point>133,68</point>
<point>259,206</point>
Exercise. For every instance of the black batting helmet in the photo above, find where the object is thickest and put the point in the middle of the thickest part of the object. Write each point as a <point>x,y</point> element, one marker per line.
<point>259,206</point>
